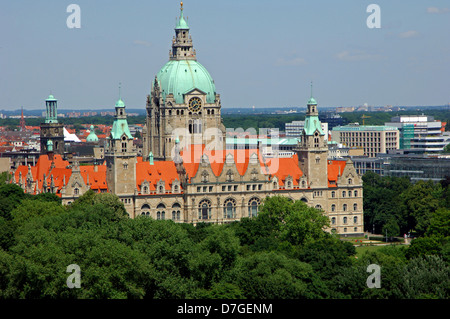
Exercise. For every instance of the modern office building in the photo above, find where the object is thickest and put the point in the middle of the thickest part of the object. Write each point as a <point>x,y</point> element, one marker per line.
<point>416,167</point>
<point>419,133</point>
<point>294,129</point>
<point>373,139</point>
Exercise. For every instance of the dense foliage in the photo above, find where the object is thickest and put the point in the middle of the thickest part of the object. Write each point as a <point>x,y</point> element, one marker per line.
<point>281,253</point>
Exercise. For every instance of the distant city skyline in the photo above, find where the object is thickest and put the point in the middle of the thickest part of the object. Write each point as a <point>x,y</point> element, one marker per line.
<point>259,53</point>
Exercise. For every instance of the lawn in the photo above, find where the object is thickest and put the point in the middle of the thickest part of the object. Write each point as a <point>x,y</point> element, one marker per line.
<point>360,250</point>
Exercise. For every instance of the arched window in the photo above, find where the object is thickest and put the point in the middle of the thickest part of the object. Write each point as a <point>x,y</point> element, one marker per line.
<point>303,184</point>
<point>355,206</point>
<point>344,207</point>
<point>355,219</point>
<point>343,193</point>
<point>333,208</point>
<point>350,181</point>
<point>333,194</point>
<point>145,189</point>
<point>176,211</point>
<point>333,221</point>
<point>229,208</point>
<point>318,207</point>
<point>76,191</point>
<point>253,205</point>
<point>204,209</point>
<point>344,220</point>
<point>356,193</point>
<point>145,210</point>
<point>160,211</point>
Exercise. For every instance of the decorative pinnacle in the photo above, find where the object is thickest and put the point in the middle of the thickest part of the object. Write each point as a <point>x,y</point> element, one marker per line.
<point>181,3</point>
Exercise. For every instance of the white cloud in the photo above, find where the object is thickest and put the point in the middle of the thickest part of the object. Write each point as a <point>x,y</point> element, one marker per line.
<point>408,34</point>
<point>437,10</point>
<point>290,62</point>
<point>357,56</point>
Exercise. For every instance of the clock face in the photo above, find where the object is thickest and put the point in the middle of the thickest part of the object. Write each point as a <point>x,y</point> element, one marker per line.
<point>195,104</point>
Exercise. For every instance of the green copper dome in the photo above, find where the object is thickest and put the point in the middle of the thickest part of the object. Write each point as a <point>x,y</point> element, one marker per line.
<point>51,98</point>
<point>92,137</point>
<point>179,77</point>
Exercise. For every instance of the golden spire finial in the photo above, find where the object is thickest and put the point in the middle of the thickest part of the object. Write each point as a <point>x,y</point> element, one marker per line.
<point>181,3</point>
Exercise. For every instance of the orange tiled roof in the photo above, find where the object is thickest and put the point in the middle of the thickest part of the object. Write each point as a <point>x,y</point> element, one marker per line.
<point>283,167</point>
<point>335,169</point>
<point>192,157</point>
<point>160,170</point>
<point>97,176</point>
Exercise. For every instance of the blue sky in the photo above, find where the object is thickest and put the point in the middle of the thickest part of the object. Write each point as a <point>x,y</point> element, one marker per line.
<point>261,53</point>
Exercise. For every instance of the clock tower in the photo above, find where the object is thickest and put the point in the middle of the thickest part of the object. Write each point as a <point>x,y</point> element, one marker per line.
<point>183,102</point>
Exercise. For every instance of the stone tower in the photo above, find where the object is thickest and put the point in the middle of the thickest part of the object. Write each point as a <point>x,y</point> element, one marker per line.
<point>183,102</point>
<point>51,130</point>
<point>120,155</point>
<point>312,150</point>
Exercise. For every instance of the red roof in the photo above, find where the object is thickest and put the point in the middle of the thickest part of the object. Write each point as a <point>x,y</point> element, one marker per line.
<point>160,170</point>
<point>335,169</point>
<point>283,167</point>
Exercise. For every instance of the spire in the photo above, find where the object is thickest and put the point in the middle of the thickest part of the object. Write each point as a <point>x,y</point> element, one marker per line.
<point>182,48</point>
<point>312,101</point>
<point>22,122</point>
<point>182,24</point>
<point>119,102</point>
